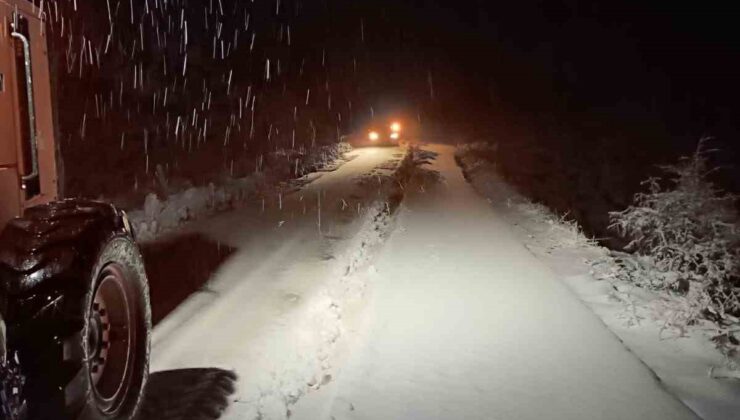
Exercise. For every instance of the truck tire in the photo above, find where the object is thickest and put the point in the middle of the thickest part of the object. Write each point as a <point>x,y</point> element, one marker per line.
<point>75,297</point>
<point>116,334</point>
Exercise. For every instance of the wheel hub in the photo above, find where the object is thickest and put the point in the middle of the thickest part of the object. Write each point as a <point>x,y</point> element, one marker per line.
<point>98,338</point>
<point>111,338</point>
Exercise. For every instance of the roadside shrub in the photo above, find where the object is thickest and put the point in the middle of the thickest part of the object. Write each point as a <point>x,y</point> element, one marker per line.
<point>687,230</point>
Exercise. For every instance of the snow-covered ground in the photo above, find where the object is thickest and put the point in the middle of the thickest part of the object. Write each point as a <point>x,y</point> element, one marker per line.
<point>683,357</point>
<point>334,307</point>
<point>158,217</point>
<point>465,322</point>
<point>276,310</point>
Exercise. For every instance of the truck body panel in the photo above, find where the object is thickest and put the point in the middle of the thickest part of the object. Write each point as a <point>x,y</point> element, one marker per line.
<point>26,126</point>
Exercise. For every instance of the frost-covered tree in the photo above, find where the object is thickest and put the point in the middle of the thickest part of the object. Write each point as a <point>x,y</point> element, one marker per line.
<point>688,229</point>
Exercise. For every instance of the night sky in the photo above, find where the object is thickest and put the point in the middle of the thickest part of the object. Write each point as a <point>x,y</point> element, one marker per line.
<point>672,61</point>
<point>655,77</point>
<point>661,73</point>
<point>669,68</point>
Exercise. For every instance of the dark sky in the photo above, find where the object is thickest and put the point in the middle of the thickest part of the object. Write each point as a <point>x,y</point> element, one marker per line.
<point>655,72</point>
<point>661,68</point>
<point>602,54</point>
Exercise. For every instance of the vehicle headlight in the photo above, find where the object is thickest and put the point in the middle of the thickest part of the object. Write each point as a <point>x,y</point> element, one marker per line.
<point>373,135</point>
<point>395,136</point>
<point>396,127</point>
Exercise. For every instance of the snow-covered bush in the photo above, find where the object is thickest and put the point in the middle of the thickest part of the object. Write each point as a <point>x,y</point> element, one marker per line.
<point>686,233</point>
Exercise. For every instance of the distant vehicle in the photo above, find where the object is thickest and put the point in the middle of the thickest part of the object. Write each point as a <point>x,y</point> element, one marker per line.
<point>390,134</point>
<point>75,321</point>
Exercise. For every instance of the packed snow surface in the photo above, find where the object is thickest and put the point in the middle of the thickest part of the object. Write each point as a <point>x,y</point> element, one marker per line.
<point>276,310</point>
<point>464,322</point>
<point>332,309</point>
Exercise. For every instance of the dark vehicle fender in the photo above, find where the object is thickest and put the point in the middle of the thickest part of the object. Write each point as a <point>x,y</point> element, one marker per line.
<point>55,242</point>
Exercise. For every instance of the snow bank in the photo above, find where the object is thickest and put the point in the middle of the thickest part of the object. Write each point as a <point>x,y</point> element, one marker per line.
<point>683,358</point>
<point>159,216</point>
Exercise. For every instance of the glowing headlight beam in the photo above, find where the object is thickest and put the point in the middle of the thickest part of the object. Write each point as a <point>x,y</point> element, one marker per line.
<point>373,135</point>
<point>396,127</point>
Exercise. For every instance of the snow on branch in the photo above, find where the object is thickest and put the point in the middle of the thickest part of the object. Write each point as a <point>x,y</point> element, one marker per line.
<point>684,230</point>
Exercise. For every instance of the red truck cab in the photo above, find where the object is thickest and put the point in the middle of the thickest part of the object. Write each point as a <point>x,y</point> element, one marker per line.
<point>28,167</point>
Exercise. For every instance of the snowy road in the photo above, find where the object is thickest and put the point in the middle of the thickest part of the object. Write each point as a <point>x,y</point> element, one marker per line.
<point>450,318</point>
<point>271,311</point>
<point>465,323</point>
